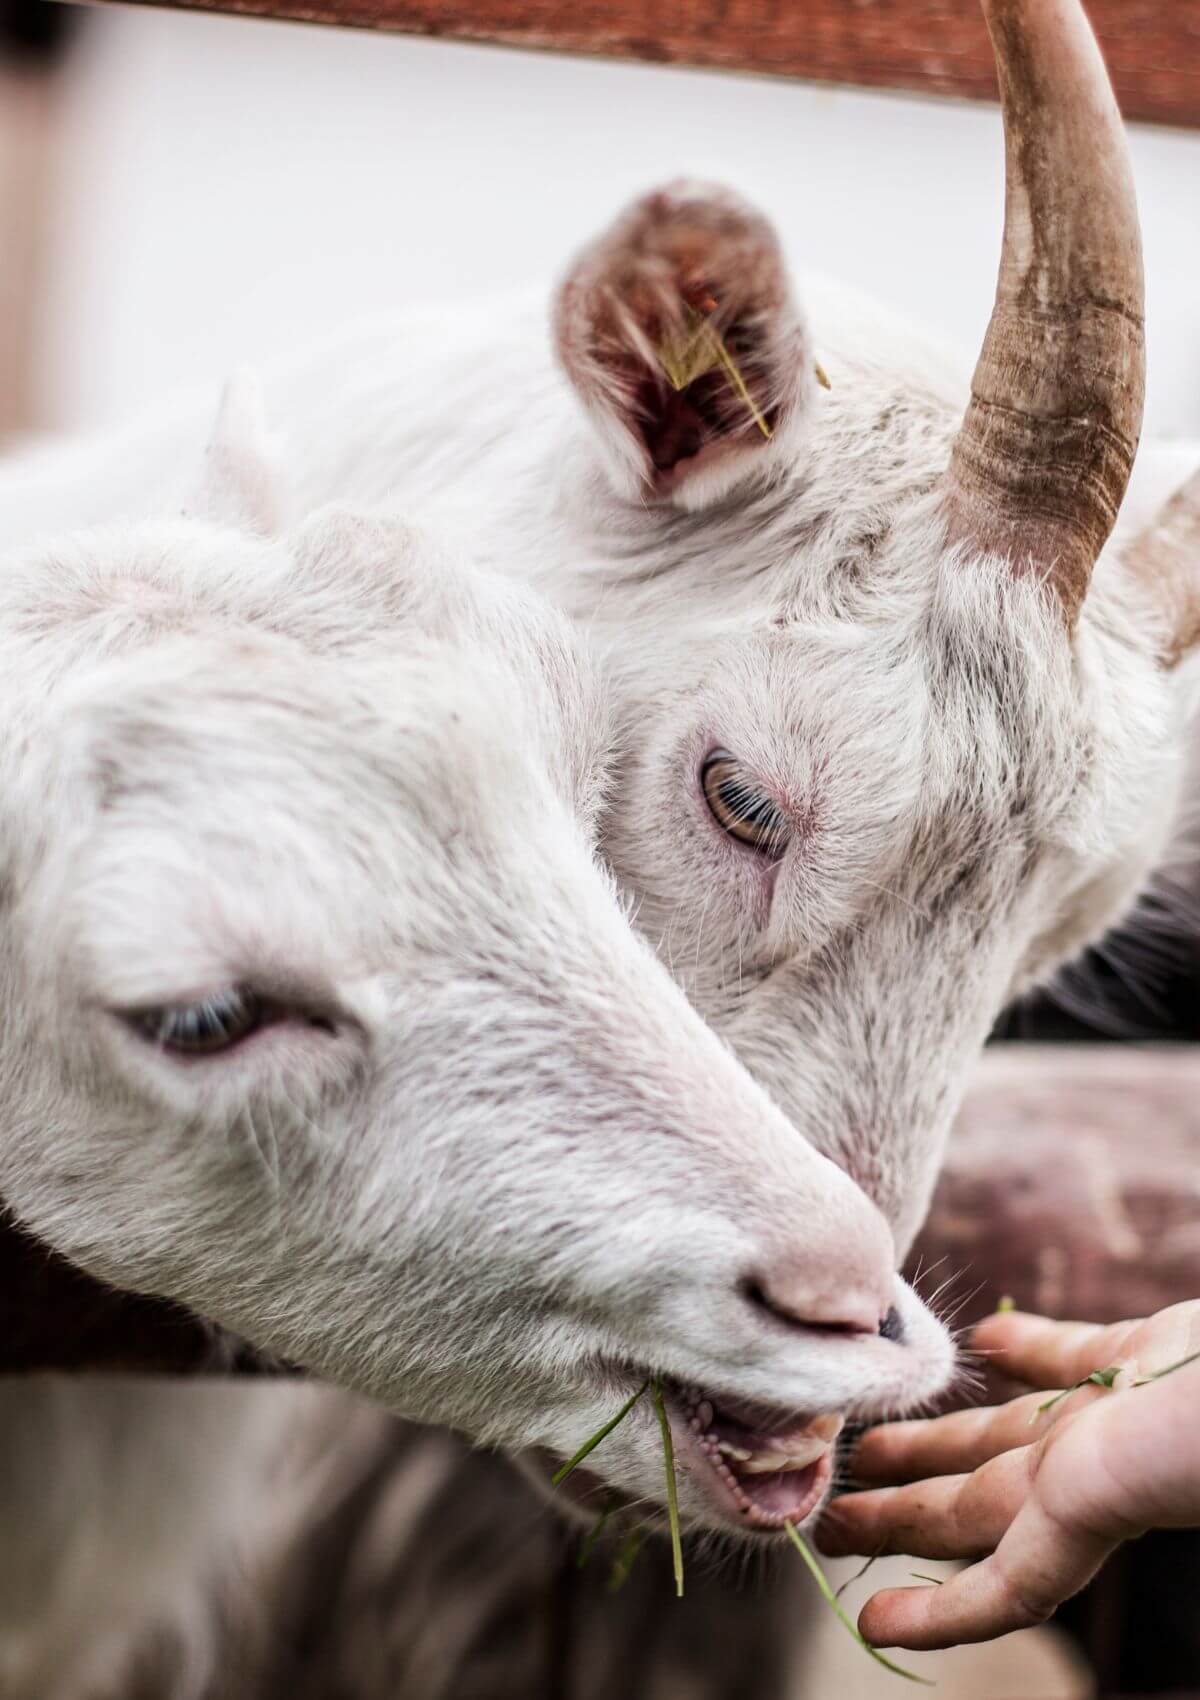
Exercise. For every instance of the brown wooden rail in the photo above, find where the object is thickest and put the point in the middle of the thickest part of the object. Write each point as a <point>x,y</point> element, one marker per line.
<point>929,46</point>
<point>54,1317</point>
<point>1072,1182</point>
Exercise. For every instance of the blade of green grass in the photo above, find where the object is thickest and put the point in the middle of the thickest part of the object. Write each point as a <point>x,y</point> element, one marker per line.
<point>624,1561</point>
<point>831,1599</point>
<point>858,1574</point>
<point>1157,1374</point>
<point>1098,1378</point>
<point>672,1495</point>
<point>921,1577</point>
<point>1106,1377</point>
<point>588,1545</point>
<point>561,1474</point>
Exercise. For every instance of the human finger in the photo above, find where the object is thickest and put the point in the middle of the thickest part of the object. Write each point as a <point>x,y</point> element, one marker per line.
<point>958,1443</point>
<point>1045,1353</point>
<point>1040,1563</point>
<point>946,1517</point>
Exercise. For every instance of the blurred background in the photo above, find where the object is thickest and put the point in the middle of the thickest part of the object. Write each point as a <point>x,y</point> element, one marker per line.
<point>181,193</point>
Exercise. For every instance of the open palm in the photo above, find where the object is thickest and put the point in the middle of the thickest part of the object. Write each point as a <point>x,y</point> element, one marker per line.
<point>1038,1490</point>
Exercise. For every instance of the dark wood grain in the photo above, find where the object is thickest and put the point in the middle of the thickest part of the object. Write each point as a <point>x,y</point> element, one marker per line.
<point>1072,1183</point>
<point>54,1317</point>
<point>30,115</point>
<point>929,46</point>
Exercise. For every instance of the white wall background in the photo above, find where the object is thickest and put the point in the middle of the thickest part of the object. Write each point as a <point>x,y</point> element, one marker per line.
<point>231,187</point>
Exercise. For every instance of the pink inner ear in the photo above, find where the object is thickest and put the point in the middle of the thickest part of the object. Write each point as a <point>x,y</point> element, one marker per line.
<point>679,426</point>
<point>678,327</point>
<point>682,424</point>
<point>670,423</point>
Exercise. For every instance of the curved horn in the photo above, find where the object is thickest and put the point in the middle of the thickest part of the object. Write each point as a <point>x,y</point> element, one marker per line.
<point>1040,464</point>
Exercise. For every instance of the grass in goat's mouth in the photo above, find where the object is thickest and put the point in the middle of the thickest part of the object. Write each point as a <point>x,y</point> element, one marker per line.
<point>573,1463</point>
<point>672,1495</point>
<point>633,1542</point>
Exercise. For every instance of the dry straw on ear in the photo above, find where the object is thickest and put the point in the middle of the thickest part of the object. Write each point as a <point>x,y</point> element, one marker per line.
<point>700,348</point>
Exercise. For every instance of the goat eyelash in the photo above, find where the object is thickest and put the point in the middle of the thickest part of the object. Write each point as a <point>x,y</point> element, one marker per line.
<point>208,1026</point>
<point>740,808</point>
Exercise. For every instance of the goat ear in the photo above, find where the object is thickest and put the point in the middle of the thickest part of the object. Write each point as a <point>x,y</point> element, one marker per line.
<point>1165,557</point>
<point>680,333</point>
<point>239,485</point>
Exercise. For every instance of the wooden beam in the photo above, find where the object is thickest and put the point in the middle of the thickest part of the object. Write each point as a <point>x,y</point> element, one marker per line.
<point>53,1317</point>
<point>1072,1183</point>
<point>927,46</point>
<point>28,133</point>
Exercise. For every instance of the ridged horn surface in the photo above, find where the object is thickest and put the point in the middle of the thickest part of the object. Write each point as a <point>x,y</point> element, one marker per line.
<point>1043,457</point>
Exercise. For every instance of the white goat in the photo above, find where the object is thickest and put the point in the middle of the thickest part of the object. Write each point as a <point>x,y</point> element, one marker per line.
<point>321,1017</point>
<point>885,759</point>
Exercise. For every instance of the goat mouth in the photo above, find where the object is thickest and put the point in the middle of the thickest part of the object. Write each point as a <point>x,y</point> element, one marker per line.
<point>757,1469</point>
<point>761,1471</point>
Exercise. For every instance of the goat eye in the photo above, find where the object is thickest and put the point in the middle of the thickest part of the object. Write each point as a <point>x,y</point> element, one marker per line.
<point>214,1023</point>
<point>739,807</point>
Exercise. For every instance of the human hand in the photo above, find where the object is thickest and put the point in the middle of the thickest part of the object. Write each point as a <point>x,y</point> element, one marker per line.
<point>1039,1492</point>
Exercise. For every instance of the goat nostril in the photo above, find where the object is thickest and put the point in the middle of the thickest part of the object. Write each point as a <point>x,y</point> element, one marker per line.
<point>795,1312</point>
<point>755,1294</point>
<point>892,1328</point>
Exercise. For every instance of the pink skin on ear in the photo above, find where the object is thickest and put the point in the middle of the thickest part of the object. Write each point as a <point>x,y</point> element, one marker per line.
<point>680,333</point>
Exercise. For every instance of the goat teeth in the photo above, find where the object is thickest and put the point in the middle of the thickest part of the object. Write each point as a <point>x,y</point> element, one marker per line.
<point>731,1451</point>
<point>704,1411</point>
<point>827,1427</point>
<point>799,1458</point>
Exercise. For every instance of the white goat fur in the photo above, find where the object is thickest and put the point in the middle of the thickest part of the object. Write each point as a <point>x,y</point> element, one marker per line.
<point>975,795</point>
